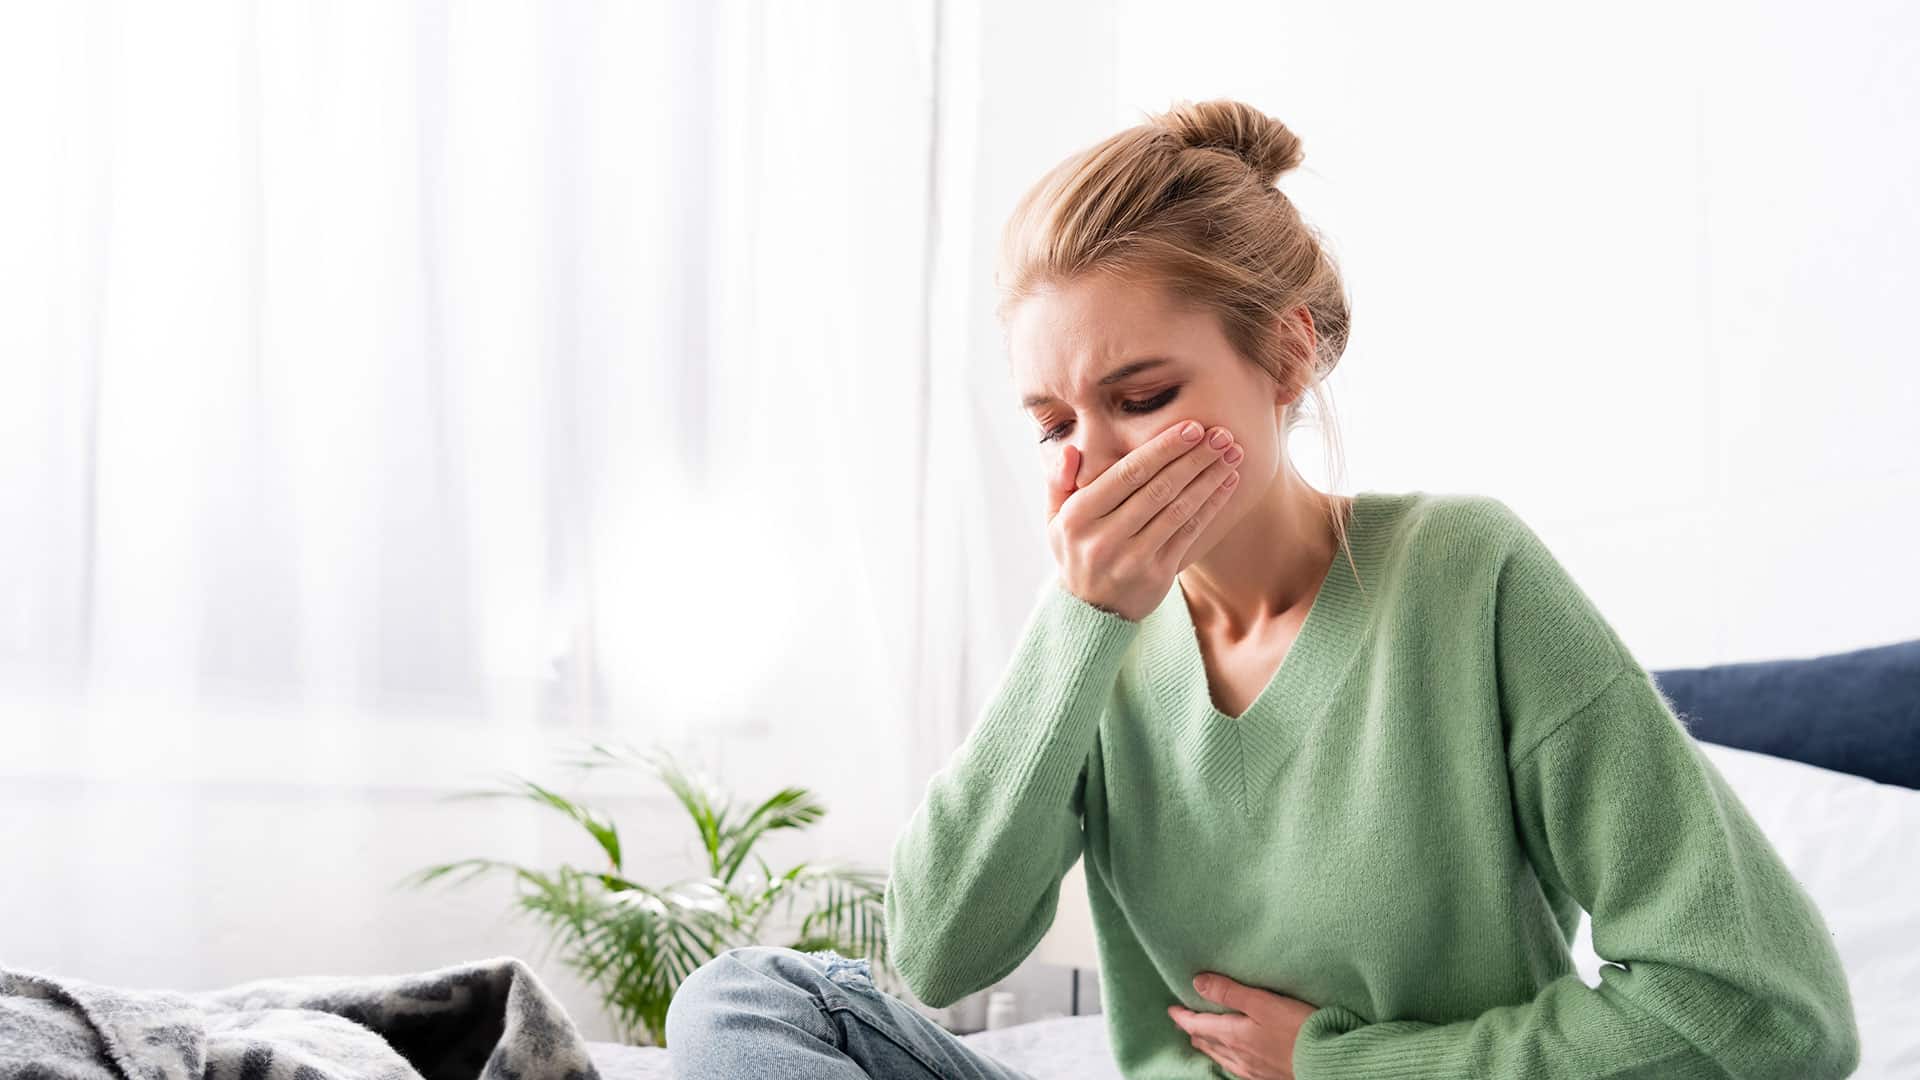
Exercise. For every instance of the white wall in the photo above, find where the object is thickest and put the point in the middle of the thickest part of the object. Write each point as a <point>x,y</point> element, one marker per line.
<point>1640,270</point>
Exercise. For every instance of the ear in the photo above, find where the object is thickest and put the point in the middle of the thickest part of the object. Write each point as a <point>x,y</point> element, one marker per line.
<point>1301,324</point>
<point>1297,337</point>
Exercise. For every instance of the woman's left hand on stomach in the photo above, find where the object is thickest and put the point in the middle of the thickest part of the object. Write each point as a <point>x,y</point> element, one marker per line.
<point>1255,1041</point>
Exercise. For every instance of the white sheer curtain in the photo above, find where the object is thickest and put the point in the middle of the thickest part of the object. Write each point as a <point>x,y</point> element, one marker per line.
<point>529,363</point>
<point>387,389</point>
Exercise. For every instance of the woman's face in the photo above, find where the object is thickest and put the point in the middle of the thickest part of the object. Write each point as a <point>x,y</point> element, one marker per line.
<point>1166,363</point>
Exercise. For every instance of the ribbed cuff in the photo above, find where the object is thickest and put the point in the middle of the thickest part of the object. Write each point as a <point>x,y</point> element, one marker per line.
<point>1083,616</point>
<point>1398,1053</point>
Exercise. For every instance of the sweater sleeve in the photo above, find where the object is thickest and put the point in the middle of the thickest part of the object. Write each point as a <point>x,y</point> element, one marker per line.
<point>975,874</point>
<point>1718,963</point>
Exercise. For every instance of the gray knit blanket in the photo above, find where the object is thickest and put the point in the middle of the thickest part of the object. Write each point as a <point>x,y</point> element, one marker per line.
<point>488,1020</point>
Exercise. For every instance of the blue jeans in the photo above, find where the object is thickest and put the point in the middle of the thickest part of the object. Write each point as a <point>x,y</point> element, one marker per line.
<point>767,1010</point>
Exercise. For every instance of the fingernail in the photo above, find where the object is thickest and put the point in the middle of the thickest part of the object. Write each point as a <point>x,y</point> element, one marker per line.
<point>1191,432</point>
<point>1234,455</point>
<point>1221,438</point>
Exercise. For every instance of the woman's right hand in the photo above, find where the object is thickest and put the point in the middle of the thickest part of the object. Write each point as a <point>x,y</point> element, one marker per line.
<point>1122,539</point>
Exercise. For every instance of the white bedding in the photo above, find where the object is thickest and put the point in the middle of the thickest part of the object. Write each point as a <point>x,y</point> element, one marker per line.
<point>1064,1048</point>
<point>1853,844</point>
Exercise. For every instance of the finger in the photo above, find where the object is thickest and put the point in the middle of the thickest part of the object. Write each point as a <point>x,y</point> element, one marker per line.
<point>1246,1001</point>
<point>1061,485</point>
<point>1222,1027</point>
<point>1137,513</point>
<point>1174,529</point>
<point>1143,463</point>
<point>1224,1055</point>
<point>1179,544</point>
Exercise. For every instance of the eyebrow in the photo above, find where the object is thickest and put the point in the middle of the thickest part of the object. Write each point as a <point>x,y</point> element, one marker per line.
<point>1124,371</point>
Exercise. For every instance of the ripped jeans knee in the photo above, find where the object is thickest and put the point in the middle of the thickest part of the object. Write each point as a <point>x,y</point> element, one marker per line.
<point>848,971</point>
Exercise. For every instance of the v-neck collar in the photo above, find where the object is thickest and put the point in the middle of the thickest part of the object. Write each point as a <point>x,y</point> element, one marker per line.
<point>1246,752</point>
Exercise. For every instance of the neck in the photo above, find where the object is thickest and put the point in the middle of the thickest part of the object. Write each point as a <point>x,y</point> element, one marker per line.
<point>1272,562</point>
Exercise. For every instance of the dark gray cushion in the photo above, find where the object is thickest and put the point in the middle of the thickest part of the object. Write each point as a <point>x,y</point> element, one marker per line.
<point>1855,712</point>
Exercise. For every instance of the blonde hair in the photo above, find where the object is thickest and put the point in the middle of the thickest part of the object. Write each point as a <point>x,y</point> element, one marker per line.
<point>1186,200</point>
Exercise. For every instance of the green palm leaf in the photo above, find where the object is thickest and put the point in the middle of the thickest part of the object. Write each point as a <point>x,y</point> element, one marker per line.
<point>635,943</point>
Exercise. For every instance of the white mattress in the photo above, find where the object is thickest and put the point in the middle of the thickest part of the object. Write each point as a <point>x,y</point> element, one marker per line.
<point>1064,1048</point>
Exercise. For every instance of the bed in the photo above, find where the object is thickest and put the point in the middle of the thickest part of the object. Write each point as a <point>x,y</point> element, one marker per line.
<point>1825,753</point>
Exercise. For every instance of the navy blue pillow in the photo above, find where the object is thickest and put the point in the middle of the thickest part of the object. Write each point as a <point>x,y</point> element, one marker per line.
<point>1854,712</point>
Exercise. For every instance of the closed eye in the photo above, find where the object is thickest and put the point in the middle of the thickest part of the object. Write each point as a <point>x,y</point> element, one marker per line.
<point>1153,404</point>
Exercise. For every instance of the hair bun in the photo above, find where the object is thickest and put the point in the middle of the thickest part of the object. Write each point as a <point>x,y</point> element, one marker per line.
<point>1265,144</point>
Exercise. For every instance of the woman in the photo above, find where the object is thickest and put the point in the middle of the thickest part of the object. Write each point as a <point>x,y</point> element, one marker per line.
<point>1344,771</point>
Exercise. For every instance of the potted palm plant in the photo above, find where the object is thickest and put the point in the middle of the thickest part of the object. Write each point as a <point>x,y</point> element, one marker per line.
<point>634,942</point>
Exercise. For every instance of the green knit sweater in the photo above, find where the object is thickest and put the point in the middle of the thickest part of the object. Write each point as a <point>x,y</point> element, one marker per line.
<point>1457,755</point>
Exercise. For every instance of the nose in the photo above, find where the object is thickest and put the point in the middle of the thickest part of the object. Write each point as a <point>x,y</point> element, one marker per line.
<point>1097,453</point>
